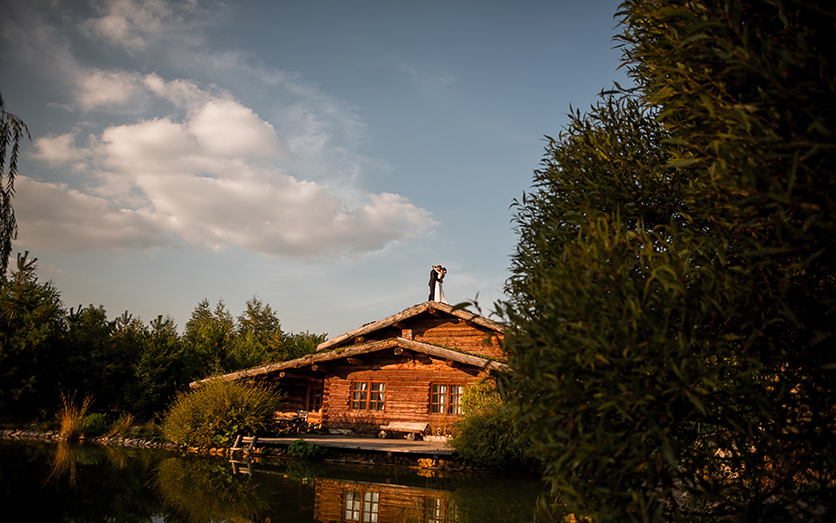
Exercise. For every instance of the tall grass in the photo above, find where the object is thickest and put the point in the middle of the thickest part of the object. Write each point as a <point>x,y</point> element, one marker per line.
<point>72,415</point>
<point>122,425</point>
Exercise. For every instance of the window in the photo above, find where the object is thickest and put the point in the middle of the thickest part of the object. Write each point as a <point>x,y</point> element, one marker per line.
<point>436,510</point>
<point>446,399</point>
<point>368,395</point>
<point>314,402</point>
<point>362,506</point>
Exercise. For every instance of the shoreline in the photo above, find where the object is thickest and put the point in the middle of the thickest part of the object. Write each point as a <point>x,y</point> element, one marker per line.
<point>340,451</point>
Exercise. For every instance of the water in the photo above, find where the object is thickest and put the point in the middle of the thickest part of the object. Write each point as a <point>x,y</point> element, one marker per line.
<point>42,482</point>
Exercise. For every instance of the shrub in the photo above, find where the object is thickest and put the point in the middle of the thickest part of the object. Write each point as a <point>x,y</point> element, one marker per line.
<point>95,424</point>
<point>486,433</point>
<point>307,451</point>
<point>217,411</point>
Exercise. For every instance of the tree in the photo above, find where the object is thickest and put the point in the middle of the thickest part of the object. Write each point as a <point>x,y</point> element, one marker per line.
<point>12,130</point>
<point>208,337</point>
<point>670,309</point>
<point>31,325</point>
<point>159,371</point>
<point>259,338</point>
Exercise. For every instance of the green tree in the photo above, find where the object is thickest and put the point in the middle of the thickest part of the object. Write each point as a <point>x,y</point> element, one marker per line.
<point>209,338</point>
<point>298,344</point>
<point>12,130</point>
<point>31,326</point>
<point>259,337</point>
<point>670,309</point>
<point>159,371</point>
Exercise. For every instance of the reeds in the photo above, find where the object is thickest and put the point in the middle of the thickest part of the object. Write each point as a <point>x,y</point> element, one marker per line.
<point>72,415</point>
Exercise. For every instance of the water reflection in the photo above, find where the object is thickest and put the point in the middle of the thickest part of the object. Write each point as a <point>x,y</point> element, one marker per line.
<point>76,482</point>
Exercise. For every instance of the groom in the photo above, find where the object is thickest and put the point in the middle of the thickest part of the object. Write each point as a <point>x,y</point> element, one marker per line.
<point>433,279</point>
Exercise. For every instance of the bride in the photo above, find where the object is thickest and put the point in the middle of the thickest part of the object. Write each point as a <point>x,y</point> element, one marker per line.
<point>438,292</point>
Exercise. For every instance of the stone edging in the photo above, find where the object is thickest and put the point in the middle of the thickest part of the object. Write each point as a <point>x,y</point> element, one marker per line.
<point>335,455</point>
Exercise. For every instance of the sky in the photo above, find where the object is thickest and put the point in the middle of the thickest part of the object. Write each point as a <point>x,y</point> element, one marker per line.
<point>318,155</point>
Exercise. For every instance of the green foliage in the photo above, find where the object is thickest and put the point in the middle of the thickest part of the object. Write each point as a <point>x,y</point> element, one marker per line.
<point>487,434</point>
<point>95,424</point>
<point>127,365</point>
<point>215,412</point>
<point>158,371</point>
<point>209,338</point>
<point>671,307</point>
<point>12,131</point>
<point>298,344</point>
<point>307,451</point>
<point>31,321</point>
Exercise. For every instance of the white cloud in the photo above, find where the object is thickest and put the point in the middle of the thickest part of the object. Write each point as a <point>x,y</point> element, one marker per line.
<point>53,217</point>
<point>227,129</point>
<point>57,150</point>
<point>132,23</point>
<point>108,89</point>
<point>212,180</point>
<point>207,169</point>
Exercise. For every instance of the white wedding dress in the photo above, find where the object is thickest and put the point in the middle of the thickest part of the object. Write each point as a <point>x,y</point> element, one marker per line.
<point>438,294</point>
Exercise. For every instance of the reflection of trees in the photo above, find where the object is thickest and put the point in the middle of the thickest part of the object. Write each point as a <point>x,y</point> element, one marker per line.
<point>105,484</point>
<point>203,490</point>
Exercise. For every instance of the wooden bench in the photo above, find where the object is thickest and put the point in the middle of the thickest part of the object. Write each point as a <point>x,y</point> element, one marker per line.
<point>410,428</point>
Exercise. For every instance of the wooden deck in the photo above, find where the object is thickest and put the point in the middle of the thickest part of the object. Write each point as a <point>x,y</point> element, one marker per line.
<point>400,445</point>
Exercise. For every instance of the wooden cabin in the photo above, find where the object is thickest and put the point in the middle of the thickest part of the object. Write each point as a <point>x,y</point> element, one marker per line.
<point>352,501</point>
<point>409,368</point>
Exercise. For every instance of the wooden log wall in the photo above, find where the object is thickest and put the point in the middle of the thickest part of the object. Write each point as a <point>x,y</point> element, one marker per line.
<point>394,502</point>
<point>456,333</point>
<point>407,396</point>
<point>445,330</point>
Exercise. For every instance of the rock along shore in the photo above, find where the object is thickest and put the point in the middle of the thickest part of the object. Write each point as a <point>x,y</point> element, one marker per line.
<point>429,463</point>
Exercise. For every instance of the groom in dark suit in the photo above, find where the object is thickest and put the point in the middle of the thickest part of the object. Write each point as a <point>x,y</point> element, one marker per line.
<point>433,279</point>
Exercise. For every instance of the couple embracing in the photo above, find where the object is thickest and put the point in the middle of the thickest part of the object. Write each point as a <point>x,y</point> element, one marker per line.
<point>437,274</point>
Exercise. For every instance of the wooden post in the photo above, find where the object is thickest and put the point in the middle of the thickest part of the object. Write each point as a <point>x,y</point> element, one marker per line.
<point>252,446</point>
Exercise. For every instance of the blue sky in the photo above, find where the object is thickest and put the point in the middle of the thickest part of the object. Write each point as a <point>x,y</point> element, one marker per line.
<point>320,155</point>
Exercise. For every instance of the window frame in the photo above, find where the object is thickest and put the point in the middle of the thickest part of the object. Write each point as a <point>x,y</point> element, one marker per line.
<point>361,506</point>
<point>313,402</point>
<point>371,399</point>
<point>446,407</point>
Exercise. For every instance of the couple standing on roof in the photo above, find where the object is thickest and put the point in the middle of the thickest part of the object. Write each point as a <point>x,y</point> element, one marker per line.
<point>437,274</point>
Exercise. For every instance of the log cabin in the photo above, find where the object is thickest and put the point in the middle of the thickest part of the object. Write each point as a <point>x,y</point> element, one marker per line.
<point>405,371</point>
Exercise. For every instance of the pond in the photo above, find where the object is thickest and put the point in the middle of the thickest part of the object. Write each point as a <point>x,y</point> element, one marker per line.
<point>91,483</point>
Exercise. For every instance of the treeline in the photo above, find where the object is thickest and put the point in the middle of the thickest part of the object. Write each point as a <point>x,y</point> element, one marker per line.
<point>126,365</point>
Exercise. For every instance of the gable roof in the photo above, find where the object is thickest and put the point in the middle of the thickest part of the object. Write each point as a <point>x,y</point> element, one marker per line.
<point>426,307</point>
<point>357,350</point>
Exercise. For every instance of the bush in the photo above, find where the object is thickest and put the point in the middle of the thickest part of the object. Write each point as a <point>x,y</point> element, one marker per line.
<point>486,433</point>
<point>307,451</point>
<point>214,413</point>
<point>95,424</point>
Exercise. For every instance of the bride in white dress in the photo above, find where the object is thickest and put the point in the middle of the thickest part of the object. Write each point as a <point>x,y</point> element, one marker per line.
<point>438,294</point>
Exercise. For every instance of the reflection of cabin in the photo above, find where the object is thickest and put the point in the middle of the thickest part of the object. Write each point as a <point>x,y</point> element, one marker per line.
<point>351,501</point>
<point>410,367</point>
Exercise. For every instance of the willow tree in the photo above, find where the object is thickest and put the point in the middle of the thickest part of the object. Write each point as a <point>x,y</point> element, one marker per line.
<point>12,130</point>
<point>671,307</point>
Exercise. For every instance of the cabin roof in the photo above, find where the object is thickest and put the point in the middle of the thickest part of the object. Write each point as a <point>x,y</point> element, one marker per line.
<point>357,350</point>
<point>416,310</point>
